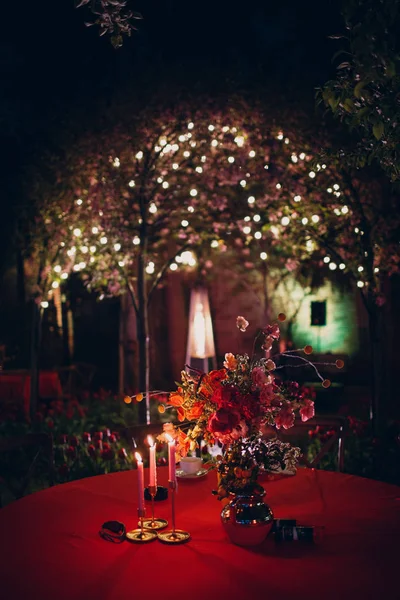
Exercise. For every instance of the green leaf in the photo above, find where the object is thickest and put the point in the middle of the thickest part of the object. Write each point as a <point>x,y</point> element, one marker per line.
<point>348,105</point>
<point>378,130</point>
<point>391,69</point>
<point>358,88</point>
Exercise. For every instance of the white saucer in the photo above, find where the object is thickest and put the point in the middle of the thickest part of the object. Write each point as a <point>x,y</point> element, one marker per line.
<point>198,475</point>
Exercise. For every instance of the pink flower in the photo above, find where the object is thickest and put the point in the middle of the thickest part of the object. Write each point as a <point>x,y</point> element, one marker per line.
<point>241,323</point>
<point>258,377</point>
<point>307,411</point>
<point>272,331</point>
<point>285,418</point>
<point>267,394</point>
<point>267,345</point>
<point>270,365</point>
<point>230,362</point>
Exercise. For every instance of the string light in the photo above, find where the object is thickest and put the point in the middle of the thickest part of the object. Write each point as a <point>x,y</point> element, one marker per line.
<point>326,259</point>
<point>311,174</point>
<point>263,255</point>
<point>252,154</point>
<point>184,223</point>
<point>139,155</point>
<point>117,247</point>
<point>79,202</point>
<point>360,284</point>
<point>103,240</point>
<point>57,269</point>
<point>257,218</point>
<point>190,125</point>
<point>44,304</point>
<point>165,185</point>
<point>246,230</point>
<point>342,266</point>
<point>77,232</point>
<point>297,198</point>
<point>243,183</point>
<point>304,221</point>
<point>333,266</point>
<point>136,240</point>
<point>251,199</point>
<point>214,244</point>
<point>173,266</point>
<point>285,221</point>
<point>116,162</point>
<point>193,192</point>
<point>55,285</point>
<point>95,230</point>
<point>315,218</point>
<point>64,275</point>
<point>345,210</point>
<point>258,235</point>
<point>231,159</point>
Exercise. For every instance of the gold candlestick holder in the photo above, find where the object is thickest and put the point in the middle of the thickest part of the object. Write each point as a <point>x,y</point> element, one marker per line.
<point>173,536</point>
<point>141,535</point>
<point>154,524</point>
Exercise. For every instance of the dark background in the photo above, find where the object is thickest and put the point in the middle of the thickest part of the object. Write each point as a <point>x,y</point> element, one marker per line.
<point>59,76</point>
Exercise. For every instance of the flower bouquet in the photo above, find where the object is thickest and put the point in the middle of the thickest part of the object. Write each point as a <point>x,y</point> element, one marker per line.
<point>239,406</point>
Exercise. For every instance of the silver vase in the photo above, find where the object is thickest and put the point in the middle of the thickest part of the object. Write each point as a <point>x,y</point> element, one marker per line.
<point>247,519</point>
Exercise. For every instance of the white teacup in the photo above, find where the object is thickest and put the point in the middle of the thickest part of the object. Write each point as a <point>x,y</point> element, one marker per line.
<point>190,464</point>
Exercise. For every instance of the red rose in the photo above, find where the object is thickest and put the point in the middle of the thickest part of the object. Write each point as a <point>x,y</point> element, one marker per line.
<point>162,461</point>
<point>107,433</point>
<point>98,435</point>
<point>73,440</point>
<point>86,437</point>
<point>113,439</point>
<point>223,421</point>
<point>107,453</point>
<point>70,452</point>
<point>50,423</point>
<point>92,451</point>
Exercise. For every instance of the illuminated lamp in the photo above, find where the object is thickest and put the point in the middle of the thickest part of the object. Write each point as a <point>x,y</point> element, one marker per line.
<point>200,350</point>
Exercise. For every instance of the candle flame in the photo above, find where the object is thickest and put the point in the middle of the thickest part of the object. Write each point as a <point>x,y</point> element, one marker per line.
<point>138,457</point>
<point>169,438</point>
<point>150,441</point>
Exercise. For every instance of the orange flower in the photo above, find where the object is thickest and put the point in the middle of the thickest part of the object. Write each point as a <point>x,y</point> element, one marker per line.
<point>196,411</point>
<point>181,413</point>
<point>175,399</point>
<point>183,443</point>
<point>230,362</point>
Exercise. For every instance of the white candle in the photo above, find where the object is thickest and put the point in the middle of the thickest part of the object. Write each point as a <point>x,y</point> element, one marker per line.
<point>171,458</point>
<point>140,481</point>
<point>152,462</point>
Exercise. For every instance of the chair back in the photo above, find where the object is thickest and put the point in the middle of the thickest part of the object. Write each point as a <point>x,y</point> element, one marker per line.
<point>337,427</point>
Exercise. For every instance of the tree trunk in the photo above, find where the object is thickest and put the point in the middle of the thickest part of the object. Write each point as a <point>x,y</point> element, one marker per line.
<point>266,304</point>
<point>144,341</point>
<point>36,330</point>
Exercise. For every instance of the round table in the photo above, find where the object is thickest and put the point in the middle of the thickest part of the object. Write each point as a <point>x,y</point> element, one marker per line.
<point>50,547</point>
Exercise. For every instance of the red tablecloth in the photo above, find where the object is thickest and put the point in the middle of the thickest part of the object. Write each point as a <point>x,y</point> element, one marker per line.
<point>50,547</point>
<point>17,386</point>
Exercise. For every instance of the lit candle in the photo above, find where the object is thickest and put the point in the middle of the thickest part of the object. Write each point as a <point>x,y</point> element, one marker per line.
<point>152,462</point>
<point>171,458</point>
<point>140,481</point>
